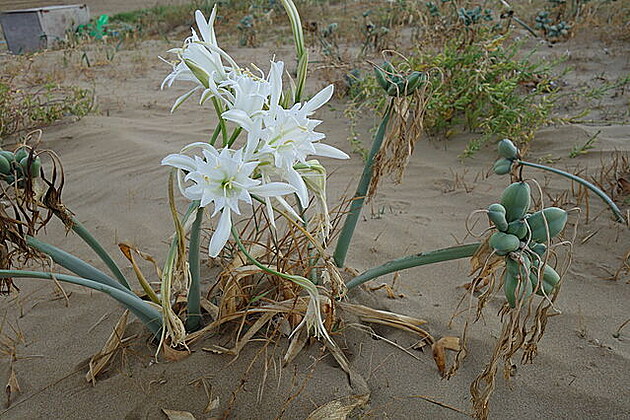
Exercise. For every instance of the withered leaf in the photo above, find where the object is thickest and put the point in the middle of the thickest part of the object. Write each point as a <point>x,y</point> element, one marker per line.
<point>99,361</point>
<point>178,415</point>
<point>338,409</point>
<point>12,387</point>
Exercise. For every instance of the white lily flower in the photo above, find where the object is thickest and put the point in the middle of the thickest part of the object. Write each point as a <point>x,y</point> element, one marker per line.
<point>222,178</point>
<point>201,59</point>
<point>286,136</point>
<point>241,91</point>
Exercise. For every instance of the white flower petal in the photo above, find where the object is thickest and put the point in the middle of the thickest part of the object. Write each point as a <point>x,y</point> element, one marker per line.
<point>180,162</point>
<point>273,189</point>
<point>201,145</point>
<point>270,215</point>
<point>239,117</point>
<point>296,180</point>
<point>318,100</point>
<point>275,80</point>
<point>326,150</point>
<point>202,25</point>
<point>289,209</point>
<point>221,234</point>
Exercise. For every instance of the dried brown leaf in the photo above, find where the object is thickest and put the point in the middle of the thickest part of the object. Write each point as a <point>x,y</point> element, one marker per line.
<point>99,361</point>
<point>439,355</point>
<point>174,355</point>
<point>339,409</point>
<point>260,322</point>
<point>178,415</point>
<point>210,307</point>
<point>439,351</point>
<point>13,387</point>
<point>391,319</point>
<point>357,381</point>
<point>451,343</point>
<point>127,249</point>
<point>212,405</point>
<point>240,259</point>
<point>295,347</point>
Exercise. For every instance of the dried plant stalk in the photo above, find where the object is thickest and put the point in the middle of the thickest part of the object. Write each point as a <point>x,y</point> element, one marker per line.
<point>405,129</point>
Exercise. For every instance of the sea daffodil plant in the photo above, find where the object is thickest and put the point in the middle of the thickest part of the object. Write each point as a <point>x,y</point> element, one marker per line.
<point>268,141</point>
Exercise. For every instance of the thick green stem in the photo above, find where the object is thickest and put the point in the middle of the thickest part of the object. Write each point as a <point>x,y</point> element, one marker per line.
<point>215,134</point>
<point>87,237</point>
<point>234,136</point>
<point>219,110</point>
<point>300,47</point>
<point>597,191</point>
<point>150,316</point>
<point>345,237</point>
<point>74,264</point>
<point>416,260</point>
<point>194,294</point>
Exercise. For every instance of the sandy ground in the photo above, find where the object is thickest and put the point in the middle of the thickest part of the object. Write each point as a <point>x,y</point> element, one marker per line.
<point>116,186</point>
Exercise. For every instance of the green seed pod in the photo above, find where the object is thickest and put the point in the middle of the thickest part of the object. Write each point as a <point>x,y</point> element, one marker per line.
<point>556,219</point>
<point>21,153</point>
<point>516,199</point>
<point>34,166</point>
<point>507,149</point>
<point>516,279</point>
<point>502,166</point>
<point>5,166</point>
<point>518,228</point>
<point>537,248</point>
<point>381,79</point>
<point>387,66</point>
<point>496,214</point>
<point>394,89</point>
<point>398,87</point>
<point>9,156</point>
<point>414,80</point>
<point>550,279</point>
<point>504,243</point>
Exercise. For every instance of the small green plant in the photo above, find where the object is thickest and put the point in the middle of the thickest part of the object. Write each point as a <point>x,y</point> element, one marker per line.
<point>551,30</point>
<point>26,108</point>
<point>582,149</point>
<point>247,30</point>
<point>475,15</point>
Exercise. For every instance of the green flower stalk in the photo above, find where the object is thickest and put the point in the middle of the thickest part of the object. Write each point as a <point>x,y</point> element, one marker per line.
<point>300,47</point>
<point>194,293</point>
<point>350,224</point>
<point>613,207</point>
<point>76,265</point>
<point>416,260</point>
<point>91,241</point>
<point>510,156</point>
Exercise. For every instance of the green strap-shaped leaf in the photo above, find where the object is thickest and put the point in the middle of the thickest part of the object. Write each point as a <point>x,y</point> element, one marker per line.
<point>149,316</point>
<point>75,264</point>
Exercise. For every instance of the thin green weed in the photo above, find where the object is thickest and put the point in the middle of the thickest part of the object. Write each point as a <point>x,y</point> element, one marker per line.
<point>28,108</point>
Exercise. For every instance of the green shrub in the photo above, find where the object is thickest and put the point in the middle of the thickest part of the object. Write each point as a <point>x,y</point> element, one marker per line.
<point>481,85</point>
